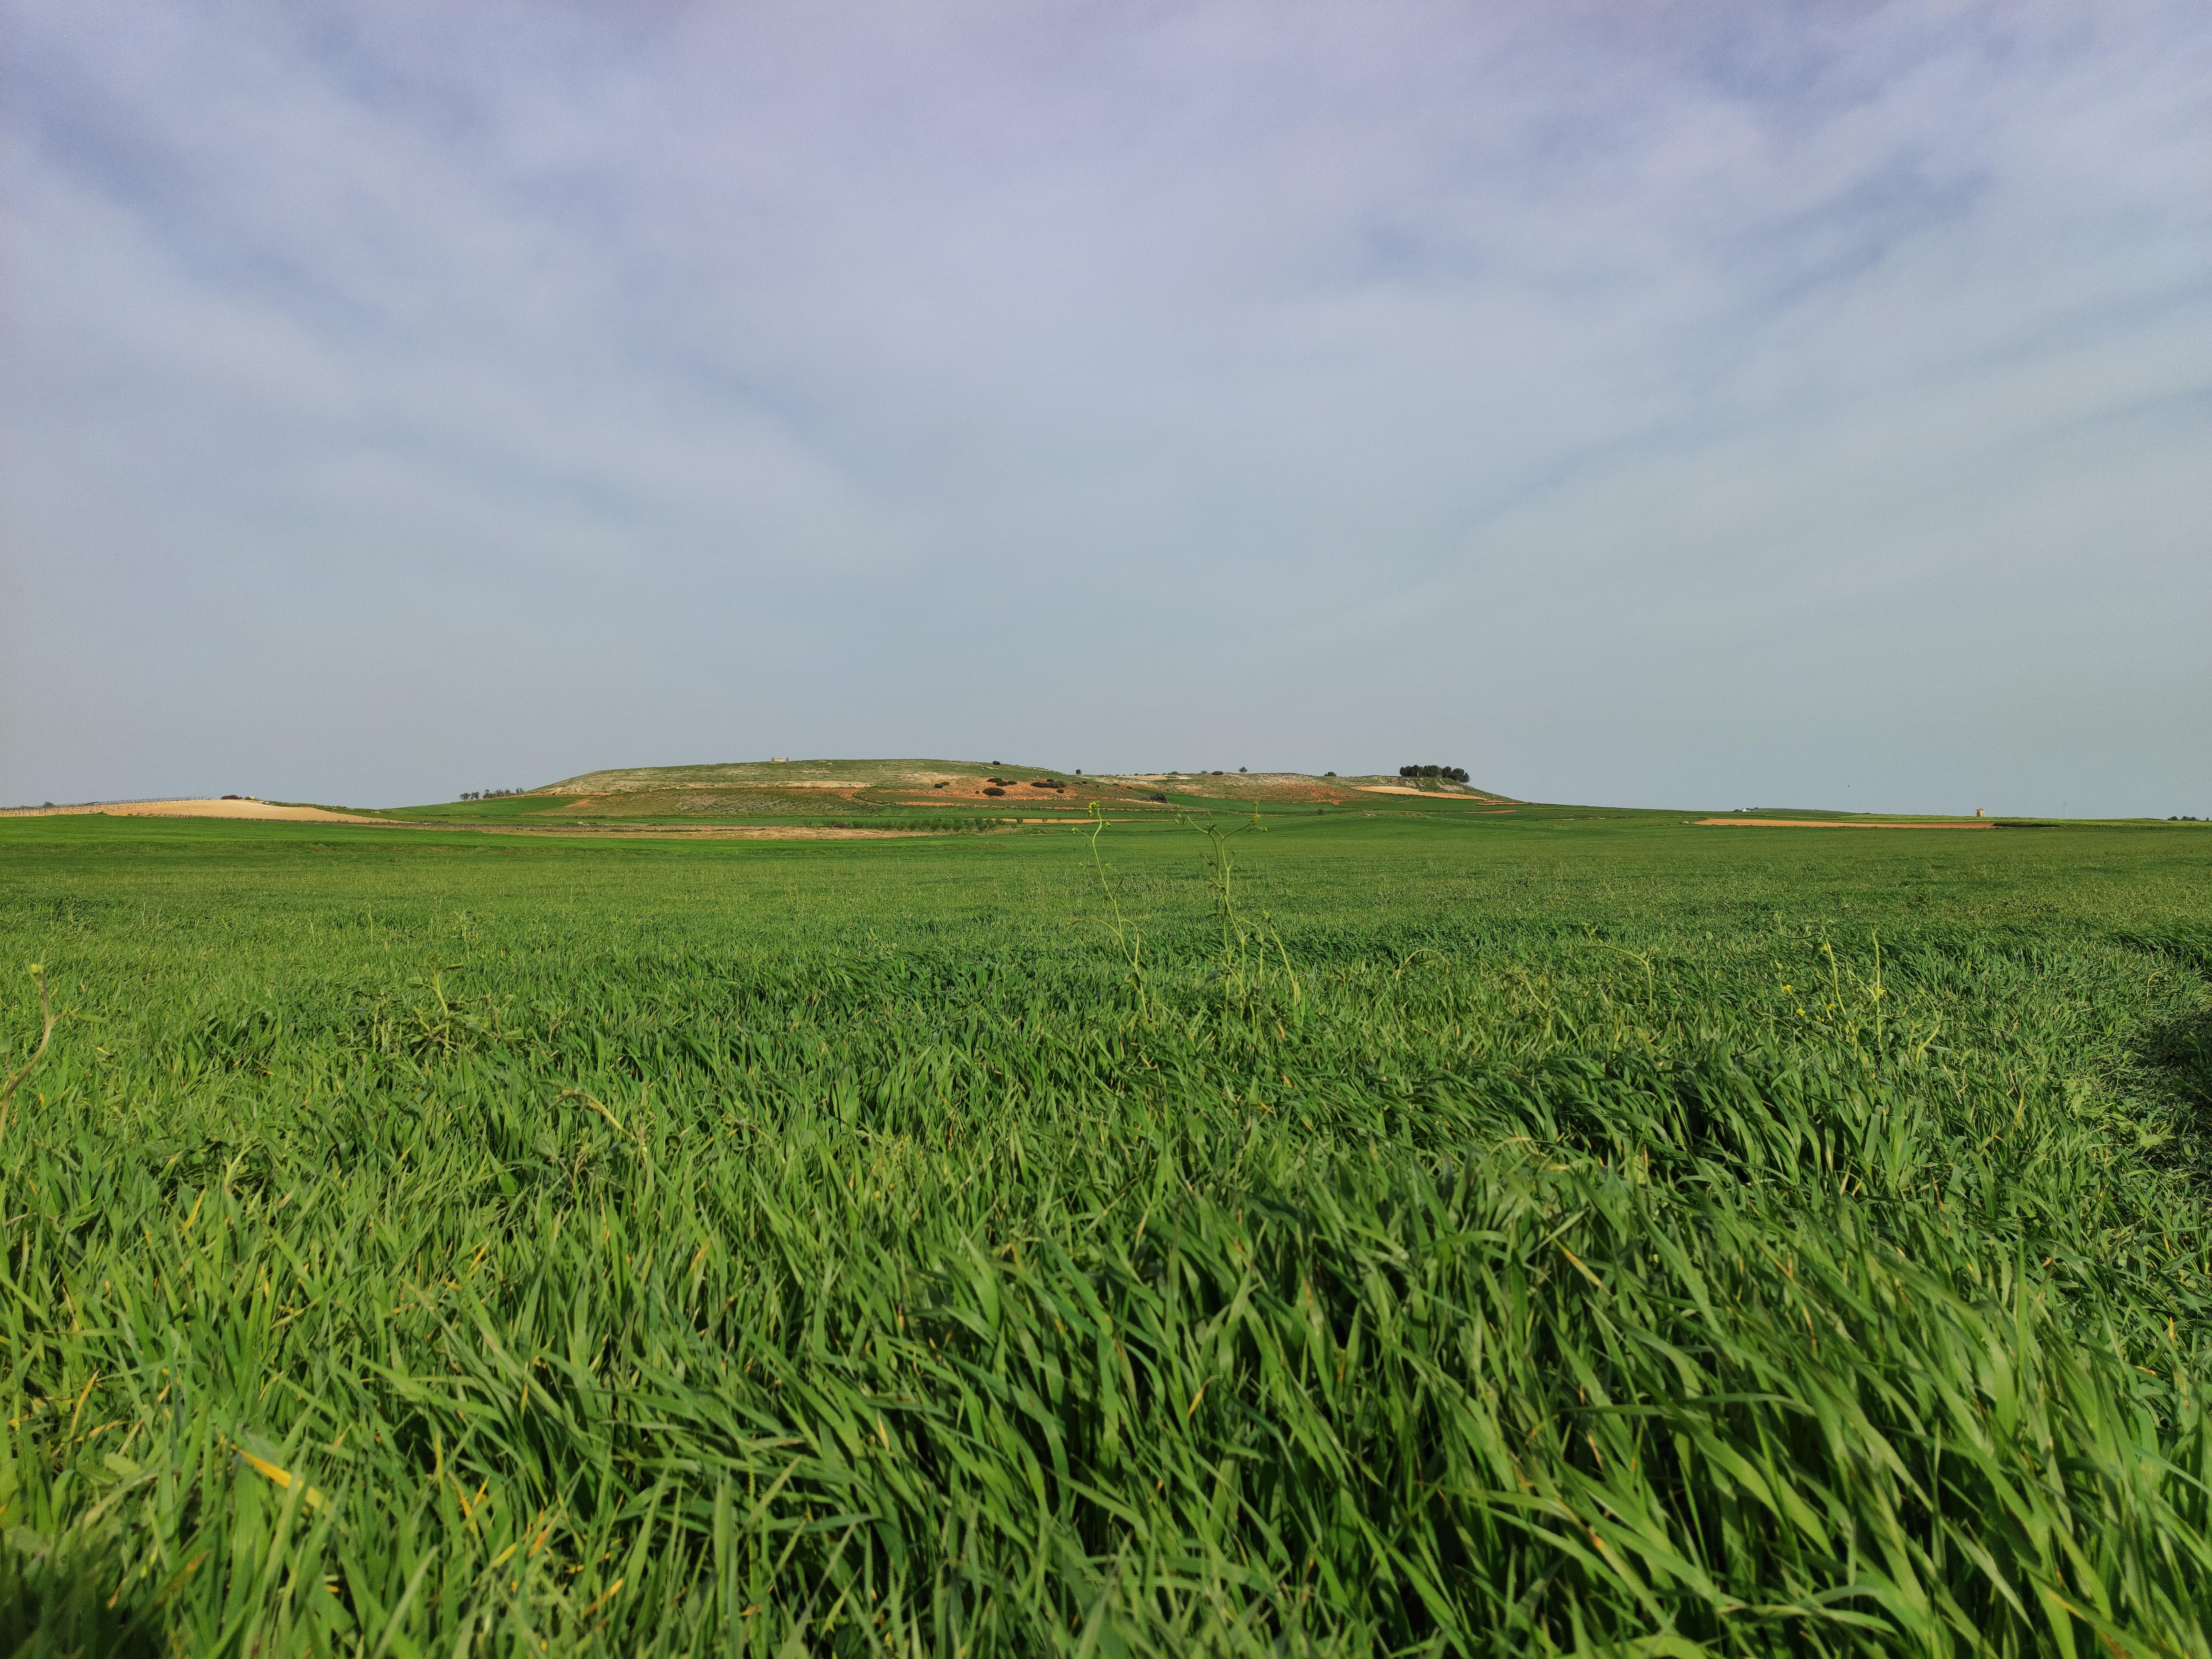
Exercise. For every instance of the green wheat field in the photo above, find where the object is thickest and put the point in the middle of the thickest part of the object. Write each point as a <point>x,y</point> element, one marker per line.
<point>1567,1233</point>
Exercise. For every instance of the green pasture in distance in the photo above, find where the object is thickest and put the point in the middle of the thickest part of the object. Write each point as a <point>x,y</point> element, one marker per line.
<point>509,809</point>
<point>1564,1230</point>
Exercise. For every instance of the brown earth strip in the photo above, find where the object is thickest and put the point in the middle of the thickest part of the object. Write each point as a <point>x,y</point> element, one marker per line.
<point>194,809</point>
<point>265,812</point>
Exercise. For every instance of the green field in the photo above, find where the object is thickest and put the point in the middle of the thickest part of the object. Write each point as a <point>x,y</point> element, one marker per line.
<point>1554,1231</point>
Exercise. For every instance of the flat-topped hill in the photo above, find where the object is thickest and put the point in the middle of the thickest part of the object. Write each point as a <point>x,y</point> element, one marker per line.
<point>817,786</point>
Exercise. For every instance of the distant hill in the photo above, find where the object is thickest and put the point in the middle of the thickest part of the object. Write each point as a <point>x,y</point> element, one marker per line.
<point>749,788</point>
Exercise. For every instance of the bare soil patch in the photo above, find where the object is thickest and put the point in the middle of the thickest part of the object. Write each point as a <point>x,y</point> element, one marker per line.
<point>200,809</point>
<point>267,812</point>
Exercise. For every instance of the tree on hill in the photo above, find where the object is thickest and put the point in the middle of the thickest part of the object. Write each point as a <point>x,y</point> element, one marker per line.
<point>1453,774</point>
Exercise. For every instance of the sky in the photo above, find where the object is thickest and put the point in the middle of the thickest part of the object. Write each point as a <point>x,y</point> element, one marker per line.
<point>1702,405</point>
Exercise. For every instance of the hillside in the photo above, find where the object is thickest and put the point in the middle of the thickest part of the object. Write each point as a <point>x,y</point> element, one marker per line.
<point>774,788</point>
<point>1301,787</point>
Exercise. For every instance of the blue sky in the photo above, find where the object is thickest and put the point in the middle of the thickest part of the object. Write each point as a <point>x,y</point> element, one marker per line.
<point>1701,406</point>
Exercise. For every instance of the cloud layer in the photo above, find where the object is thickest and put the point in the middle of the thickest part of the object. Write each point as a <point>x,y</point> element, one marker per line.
<point>1706,405</point>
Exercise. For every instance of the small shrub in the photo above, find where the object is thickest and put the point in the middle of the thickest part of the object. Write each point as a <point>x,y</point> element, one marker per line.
<point>995,790</point>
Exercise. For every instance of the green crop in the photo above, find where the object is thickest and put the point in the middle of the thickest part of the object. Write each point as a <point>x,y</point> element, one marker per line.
<point>1574,1234</point>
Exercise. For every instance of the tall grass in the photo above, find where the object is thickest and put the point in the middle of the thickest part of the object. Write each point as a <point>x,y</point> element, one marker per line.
<point>47,1021</point>
<point>833,1250</point>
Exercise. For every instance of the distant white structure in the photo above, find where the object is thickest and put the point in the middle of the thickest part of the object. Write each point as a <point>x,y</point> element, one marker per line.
<point>775,760</point>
